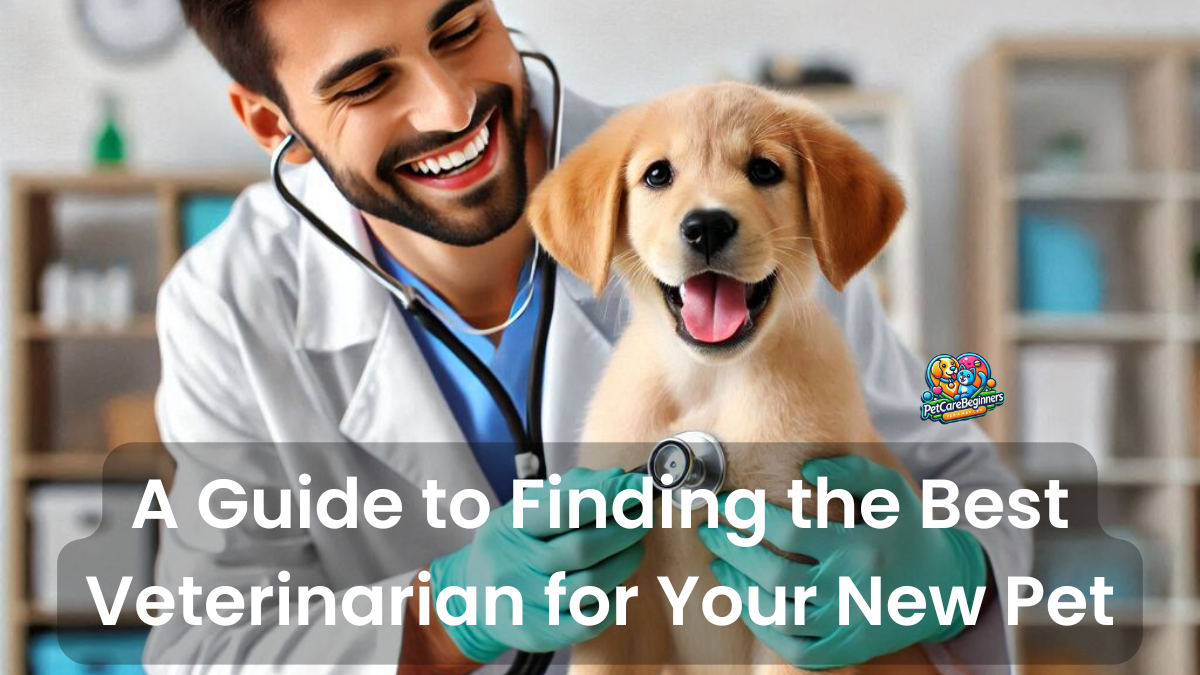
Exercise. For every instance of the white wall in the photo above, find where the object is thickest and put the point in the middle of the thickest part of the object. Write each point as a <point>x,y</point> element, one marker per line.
<point>615,51</point>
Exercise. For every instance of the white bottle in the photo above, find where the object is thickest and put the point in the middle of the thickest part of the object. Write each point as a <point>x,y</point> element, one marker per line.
<point>89,297</point>
<point>118,297</point>
<point>55,291</point>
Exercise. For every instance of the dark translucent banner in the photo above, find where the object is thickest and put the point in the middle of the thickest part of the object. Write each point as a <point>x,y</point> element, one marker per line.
<point>312,554</point>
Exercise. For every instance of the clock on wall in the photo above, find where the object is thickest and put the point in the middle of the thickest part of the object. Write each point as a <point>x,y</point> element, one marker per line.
<point>131,30</point>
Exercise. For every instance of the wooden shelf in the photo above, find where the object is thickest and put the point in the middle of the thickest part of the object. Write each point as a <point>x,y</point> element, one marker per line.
<point>1115,471</point>
<point>34,329</point>
<point>127,183</point>
<point>89,467</point>
<point>37,618</point>
<point>1104,327</point>
<point>1138,196</point>
<point>1090,187</point>
<point>1152,612</point>
<point>35,199</point>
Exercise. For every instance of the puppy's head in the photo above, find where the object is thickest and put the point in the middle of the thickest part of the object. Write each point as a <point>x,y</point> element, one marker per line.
<point>945,368</point>
<point>718,204</point>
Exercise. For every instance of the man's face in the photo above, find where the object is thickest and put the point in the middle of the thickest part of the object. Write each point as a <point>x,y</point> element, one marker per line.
<point>418,109</point>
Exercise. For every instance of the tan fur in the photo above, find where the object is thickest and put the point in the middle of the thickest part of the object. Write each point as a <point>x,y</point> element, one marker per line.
<point>794,383</point>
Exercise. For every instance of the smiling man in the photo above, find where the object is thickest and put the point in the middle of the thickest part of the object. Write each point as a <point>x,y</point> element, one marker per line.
<point>421,135</point>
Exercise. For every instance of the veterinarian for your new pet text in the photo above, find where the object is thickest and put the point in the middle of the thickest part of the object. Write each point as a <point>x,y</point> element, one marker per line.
<point>269,335</point>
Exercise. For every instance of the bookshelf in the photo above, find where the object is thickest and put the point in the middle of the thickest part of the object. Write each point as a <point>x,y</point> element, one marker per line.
<point>1136,105</point>
<point>41,454</point>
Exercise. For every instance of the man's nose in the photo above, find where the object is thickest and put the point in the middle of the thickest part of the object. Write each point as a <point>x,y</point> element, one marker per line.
<point>707,231</point>
<point>441,102</point>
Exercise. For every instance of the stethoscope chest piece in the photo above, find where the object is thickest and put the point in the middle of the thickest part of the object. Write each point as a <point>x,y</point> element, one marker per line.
<point>692,460</point>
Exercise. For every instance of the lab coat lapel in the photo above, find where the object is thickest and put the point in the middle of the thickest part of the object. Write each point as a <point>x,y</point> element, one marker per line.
<point>399,415</point>
<point>396,411</point>
<point>578,349</point>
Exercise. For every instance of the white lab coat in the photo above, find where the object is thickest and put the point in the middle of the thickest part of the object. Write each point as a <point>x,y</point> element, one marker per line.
<point>271,336</point>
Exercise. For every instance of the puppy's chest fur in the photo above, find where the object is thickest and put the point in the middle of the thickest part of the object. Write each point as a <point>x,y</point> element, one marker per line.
<point>793,397</point>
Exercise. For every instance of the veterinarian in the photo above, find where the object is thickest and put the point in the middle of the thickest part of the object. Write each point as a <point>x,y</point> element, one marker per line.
<point>421,133</point>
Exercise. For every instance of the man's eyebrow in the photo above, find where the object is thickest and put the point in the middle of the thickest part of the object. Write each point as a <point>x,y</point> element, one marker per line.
<point>449,11</point>
<point>352,65</point>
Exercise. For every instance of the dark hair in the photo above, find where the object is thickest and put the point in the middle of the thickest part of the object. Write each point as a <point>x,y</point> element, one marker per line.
<point>234,32</point>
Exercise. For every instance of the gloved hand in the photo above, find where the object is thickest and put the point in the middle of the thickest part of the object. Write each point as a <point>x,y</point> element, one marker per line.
<point>905,554</point>
<point>525,558</point>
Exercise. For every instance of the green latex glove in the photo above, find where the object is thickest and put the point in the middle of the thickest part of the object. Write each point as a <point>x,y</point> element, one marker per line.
<point>525,558</point>
<point>905,554</point>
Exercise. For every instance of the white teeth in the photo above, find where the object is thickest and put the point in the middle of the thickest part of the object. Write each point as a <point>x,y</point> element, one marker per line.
<point>683,291</point>
<point>456,159</point>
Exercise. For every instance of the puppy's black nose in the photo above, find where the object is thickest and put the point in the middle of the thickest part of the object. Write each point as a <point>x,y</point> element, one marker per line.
<point>707,231</point>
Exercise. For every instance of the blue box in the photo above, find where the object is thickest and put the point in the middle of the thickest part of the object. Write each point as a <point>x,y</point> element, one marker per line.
<point>202,214</point>
<point>104,652</point>
<point>1061,267</point>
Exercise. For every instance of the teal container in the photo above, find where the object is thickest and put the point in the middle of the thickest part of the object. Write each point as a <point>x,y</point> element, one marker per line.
<point>1061,267</point>
<point>203,214</point>
<point>100,652</point>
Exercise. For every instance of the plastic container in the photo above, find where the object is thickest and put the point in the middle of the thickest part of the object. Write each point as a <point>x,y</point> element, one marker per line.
<point>1061,267</point>
<point>87,653</point>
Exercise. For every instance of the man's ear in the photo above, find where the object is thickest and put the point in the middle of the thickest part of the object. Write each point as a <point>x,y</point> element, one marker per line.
<point>576,211</point>
<point>267,124</point>
<point>853,202</point>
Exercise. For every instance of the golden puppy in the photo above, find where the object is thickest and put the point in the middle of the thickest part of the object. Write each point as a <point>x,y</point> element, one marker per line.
<point>718,205</point>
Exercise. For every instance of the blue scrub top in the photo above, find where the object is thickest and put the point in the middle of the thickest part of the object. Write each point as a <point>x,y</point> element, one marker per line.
<point>474,409</point>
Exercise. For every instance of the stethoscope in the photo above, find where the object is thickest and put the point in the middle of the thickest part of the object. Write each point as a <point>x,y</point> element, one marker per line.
<point>691,460</point>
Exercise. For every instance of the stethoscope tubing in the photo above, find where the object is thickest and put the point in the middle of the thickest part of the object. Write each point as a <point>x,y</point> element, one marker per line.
<point>530,458</point>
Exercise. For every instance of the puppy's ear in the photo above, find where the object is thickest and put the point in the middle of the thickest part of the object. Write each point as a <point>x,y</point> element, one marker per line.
<point>576,211</point>
<point>853,202</point>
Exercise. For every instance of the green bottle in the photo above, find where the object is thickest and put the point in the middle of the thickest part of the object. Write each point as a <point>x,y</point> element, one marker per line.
<point>109,149</point>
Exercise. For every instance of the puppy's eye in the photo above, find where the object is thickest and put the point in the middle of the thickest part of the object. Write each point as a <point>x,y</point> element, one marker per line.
<point>659,175</point>
<point>763,171</point>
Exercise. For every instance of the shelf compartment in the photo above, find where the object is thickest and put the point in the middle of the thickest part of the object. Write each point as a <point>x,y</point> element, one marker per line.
<point>1115,401</point>
<point>1050,649</point>
<point>1094,110</point>
<point>1084,257</point>
<point>69,385</point>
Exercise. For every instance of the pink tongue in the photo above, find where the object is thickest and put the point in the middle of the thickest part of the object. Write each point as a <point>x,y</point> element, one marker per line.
<point>714,307</point>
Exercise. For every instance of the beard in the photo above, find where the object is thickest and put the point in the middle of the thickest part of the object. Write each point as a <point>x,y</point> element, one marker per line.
<point>476,217</point>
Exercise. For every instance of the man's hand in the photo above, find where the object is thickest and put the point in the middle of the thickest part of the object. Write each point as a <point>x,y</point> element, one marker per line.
<point>525,558</point>
<point>905,554</point>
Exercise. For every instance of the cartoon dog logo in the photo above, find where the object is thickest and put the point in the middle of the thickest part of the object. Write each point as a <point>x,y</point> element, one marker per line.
<point>960,387</point>
<point>942,375</point>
